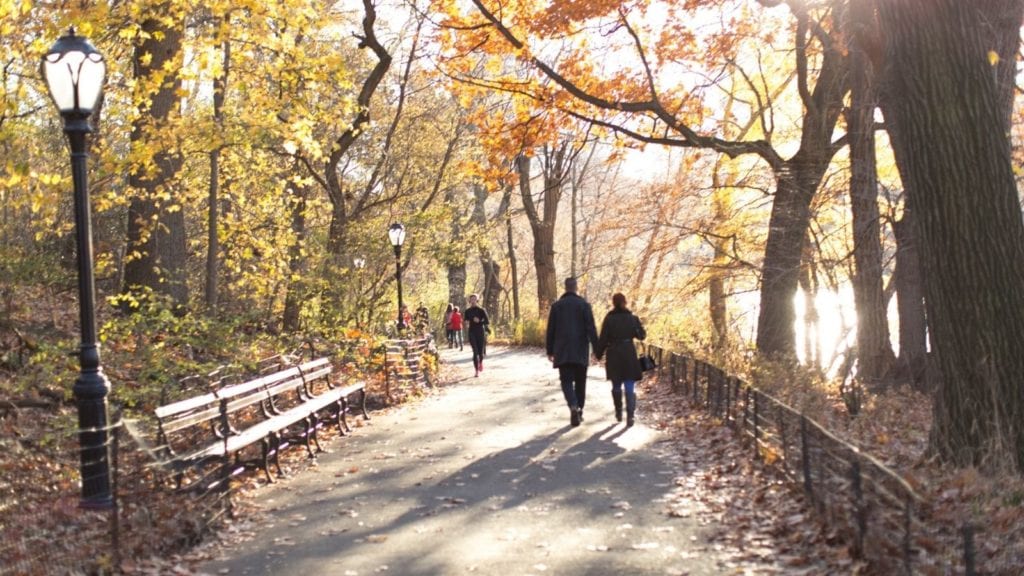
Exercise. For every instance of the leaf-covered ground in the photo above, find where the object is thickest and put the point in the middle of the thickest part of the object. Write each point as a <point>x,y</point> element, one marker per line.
<point>756,522</point>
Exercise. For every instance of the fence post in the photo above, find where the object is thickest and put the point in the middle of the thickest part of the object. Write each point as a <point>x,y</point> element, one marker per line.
<point>746,407</point>
<point>696,381</point>
<point>968,535</point>
<point>709,378</point>
<point>736,395</point>
<point>781,417</point>
<point>757,429</point>
<point>115,510</point>
<point>719,383</point>
<point>908,511</point>
<point>858,509</point>
<point>805,457</point>
<point>672,371</point>
<point>728,399</point>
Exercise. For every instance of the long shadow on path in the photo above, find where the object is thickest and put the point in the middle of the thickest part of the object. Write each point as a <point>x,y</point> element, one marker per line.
<point>483,478</point>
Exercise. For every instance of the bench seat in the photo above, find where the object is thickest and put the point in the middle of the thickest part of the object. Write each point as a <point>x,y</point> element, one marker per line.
<point>274,410</point>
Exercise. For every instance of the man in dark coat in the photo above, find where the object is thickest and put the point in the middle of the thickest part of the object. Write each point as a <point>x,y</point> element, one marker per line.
<point>571,332</point>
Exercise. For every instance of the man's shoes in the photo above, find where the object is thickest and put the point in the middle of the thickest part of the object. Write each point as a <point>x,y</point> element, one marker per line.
<point>574,417</point>
<point>629,421</point>
<point>580,410</point>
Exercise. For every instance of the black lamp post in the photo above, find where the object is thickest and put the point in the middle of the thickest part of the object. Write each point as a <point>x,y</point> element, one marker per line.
<point>396,233</point>
<point>74,71</point>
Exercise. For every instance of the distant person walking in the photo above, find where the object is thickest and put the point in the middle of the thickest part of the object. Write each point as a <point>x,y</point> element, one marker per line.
<point>619,328</point>
<point>571,332</point>
<point>449,336</point>
<point>456,321</point>
<point>479,326</point>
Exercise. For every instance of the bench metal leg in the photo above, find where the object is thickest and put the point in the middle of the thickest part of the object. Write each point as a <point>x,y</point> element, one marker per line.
<point>362,403</point>
<point>275,439</point>
<point>314,425</point>
<point>340,410</point>
<point>270,449</point>
<point>307,436</point>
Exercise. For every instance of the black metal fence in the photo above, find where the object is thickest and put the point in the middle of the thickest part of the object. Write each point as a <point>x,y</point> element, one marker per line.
<point>45,532</point>
<point>861,500</point>
<point>156,511</point>
<point>410,366</point>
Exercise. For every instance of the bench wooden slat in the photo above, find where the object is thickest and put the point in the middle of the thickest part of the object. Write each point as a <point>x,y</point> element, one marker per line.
<point>270,426</point>
<point>212,412</point>
<point>184,405</point>
<point>261,382</point>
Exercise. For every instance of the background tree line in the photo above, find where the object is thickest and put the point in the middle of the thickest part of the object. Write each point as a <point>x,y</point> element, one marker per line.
<point>247,154</point>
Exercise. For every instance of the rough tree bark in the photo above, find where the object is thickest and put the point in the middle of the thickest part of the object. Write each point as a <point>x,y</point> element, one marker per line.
<point>156,228</point>
<point>220,86</point>
<point>797,181</point>
<point>910,366</point>
<point>297,262</point>
<point>542,223</point>
<point>874,347</point>
<point>945,90</point>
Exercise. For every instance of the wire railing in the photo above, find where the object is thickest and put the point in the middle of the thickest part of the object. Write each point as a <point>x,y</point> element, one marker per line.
<point>861,500</point>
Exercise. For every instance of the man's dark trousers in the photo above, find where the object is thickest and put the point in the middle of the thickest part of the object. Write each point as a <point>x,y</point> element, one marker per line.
<point>574,384</point>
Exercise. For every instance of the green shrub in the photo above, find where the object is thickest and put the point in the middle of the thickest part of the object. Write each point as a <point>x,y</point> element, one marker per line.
<point>529,332</point>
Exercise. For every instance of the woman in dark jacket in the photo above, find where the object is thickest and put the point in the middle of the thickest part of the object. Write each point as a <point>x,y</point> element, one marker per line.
<point>618,330</point>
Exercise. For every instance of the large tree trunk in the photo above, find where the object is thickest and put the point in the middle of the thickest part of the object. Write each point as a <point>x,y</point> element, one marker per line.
<point>543,224</point>
<point>513,268</point>
<point>812,322</point>
<point>717,304</point>
<point>456,262</point>
<point>910,304</point>
<point>874,347</point>
<point>948,106</point>
<point>156,227</point>
<point>780,274</point>
<point>297,262</point>
<point>492,287</point>
<point>797,180</point>
<point>336,193</point>
<point>220,86</point>
<point>457,284</point>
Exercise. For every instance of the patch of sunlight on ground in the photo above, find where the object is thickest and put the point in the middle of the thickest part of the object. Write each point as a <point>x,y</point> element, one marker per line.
<point>633,438</point>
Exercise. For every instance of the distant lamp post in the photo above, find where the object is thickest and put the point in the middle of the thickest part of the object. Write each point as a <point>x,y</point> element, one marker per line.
<point>74,71</point>
<point>396,233</point>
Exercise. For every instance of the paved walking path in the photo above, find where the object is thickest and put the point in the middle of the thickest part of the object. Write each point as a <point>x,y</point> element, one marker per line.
<point>486,477</point>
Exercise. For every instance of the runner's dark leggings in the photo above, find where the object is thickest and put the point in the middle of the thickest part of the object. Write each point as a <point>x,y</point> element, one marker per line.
<point>477,341</point>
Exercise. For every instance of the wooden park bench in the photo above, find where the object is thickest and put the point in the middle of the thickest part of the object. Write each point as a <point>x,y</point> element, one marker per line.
<point>285,405</point>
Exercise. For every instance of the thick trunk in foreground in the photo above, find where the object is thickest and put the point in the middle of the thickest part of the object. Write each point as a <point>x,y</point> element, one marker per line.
<point>874,348</point>
<point>910,366</point>
<point>543,226</point>
<point>776,335</point>
<point>297,262</point>
<point>156,220</point>
<point>797,180</point>
<point>947,104</point>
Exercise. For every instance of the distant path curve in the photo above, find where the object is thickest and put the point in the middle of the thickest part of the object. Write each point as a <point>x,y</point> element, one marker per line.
<point>485,477</point>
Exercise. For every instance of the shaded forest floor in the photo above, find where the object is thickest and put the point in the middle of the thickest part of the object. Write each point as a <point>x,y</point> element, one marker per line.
<point>747,502</point>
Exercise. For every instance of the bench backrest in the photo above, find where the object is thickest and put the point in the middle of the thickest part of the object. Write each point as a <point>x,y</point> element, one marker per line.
<point>189,412</point>
<point>219,404</point>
